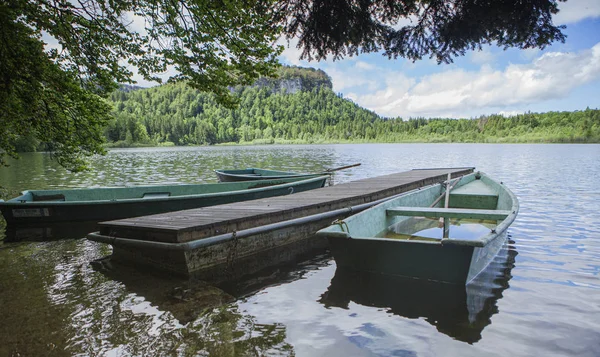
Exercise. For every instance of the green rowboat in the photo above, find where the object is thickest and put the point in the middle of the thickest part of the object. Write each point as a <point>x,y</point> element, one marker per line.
<point>251,174</point>
<point>102,204</point>
<point>427,233</point>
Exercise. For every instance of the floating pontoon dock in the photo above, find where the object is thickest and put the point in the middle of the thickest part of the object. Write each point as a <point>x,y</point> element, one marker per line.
<point>206,241</point>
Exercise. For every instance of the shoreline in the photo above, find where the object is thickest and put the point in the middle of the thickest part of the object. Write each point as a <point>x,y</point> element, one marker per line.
<point>262,142</point>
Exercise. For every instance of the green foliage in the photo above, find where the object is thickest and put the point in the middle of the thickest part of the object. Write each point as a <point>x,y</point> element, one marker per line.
<point>42,102</point>
<point>53,94</point>
<point>267,113</point>
<point>438,29</point>
<point>180,114</point>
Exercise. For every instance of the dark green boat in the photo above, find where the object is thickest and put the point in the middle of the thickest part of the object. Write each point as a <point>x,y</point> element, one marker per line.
<point>253,174</point>
<point>433,233</point>
<point>101,204</point>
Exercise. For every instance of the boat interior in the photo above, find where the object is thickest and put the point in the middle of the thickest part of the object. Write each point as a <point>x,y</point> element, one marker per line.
<point>472,206</point>
<point>466,208</point>
<point>258,172</point>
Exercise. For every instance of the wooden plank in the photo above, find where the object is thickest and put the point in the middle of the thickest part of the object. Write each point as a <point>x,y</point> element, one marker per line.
<point>448,213</point>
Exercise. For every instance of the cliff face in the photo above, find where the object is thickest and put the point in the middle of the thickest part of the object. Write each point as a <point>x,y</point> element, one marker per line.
<point>295,79</point>
<point>290,80</point>
<point>289,85</point>
<point>126,88</point>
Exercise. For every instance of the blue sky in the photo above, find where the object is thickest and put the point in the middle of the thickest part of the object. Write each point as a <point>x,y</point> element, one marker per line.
<point>564,76</point>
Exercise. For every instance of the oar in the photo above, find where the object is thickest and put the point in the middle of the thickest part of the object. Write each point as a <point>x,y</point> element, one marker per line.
<point>444,222</point>
<point>444,194</point>
<point>342,168</point>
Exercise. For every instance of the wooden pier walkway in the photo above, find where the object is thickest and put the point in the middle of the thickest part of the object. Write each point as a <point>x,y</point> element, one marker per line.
<point>175,231</point>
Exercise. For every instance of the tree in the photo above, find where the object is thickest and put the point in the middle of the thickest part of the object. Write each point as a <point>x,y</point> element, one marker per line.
<point>56,92</point>
<point>440,29</point>
<point>39,98</point>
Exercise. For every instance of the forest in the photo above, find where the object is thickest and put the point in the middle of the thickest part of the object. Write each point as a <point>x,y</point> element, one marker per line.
<point>301,107</point>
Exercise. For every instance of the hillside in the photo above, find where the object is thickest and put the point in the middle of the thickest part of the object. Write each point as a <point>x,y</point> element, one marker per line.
<point>300,107</point>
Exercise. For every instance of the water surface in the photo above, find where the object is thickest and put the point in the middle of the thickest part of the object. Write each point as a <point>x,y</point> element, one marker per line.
<point>540,297</point>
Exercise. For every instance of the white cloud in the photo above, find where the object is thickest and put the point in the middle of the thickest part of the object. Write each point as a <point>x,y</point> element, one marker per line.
<point>574,11</point>
<point>140,81</point>
<point>135,23</point>
<point>291,54</point>
<point>484,56</point>
<point>457,92</point>
<point>364,65</point>
<point>50,42</point>
<point>405,21</point>
<point>396,87</point>
<point>530,53</point>
<point>343,80</point>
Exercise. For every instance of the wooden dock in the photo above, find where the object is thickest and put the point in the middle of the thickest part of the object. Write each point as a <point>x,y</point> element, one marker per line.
<point>200,242</point>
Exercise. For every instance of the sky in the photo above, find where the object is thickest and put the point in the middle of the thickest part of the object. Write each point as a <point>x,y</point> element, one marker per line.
<point>562,77</point>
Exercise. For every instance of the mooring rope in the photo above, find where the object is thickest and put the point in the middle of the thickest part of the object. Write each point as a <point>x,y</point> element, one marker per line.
<point>342,223</point>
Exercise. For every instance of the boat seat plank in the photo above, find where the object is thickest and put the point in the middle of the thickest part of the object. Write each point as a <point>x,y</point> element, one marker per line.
<point>476,188</point>
<point>448,213</point>
<point>474,194</point>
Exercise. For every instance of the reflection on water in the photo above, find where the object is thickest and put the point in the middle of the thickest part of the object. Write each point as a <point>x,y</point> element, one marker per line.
<point>289,271</point>
<point>457,311</point>
<point>70,307</point>
<point>203,318</point>
<point>47,232</point>
<point>432,229</point>
<point>53,302</point>
<point>186,298</point>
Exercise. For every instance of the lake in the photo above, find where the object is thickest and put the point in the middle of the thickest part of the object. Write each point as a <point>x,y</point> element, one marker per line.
<point>540,297</point>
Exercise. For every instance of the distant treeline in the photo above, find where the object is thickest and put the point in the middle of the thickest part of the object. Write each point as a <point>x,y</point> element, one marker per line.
<point>301,107</point>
